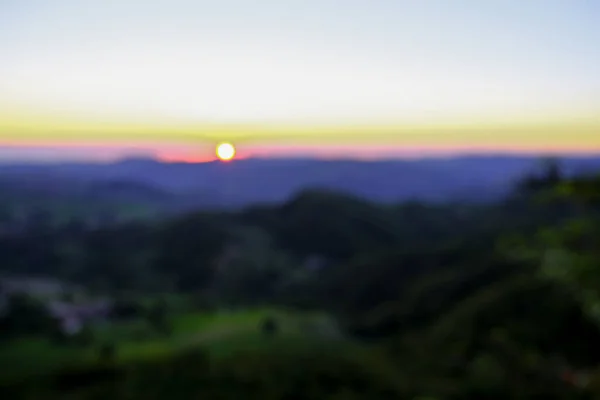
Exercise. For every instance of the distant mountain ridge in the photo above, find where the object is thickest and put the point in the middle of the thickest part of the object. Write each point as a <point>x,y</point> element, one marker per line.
<point>248,181</point>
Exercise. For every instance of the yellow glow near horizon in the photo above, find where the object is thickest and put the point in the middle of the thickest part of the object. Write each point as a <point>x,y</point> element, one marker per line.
<point>32,129</point>
<point>300,74</point>
<point>174,140</point>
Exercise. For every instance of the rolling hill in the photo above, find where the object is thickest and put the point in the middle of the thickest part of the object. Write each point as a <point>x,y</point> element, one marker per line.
<point>173,187</point>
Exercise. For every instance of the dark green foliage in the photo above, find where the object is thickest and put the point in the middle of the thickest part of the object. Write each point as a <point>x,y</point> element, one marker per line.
<point>107,352</point>
<point>126,309</point>
<point>187,246</point>
<point>73,379</point>
<point>26,316</point>
<point>85,337</point>
<point>496,301</point>
<point>327,223</point>
<point>269,326</point>
<point>158,316</point>
<point>548,175</point>
<point>203,302</point>
<point>253,375</point>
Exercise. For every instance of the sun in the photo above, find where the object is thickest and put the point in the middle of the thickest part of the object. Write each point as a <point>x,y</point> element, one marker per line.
<point>225,151</point>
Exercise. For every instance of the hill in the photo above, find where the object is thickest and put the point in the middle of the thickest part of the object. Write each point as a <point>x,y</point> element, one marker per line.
<point>181,186</point>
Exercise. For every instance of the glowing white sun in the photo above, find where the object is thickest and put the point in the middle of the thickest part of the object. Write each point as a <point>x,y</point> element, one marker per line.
<point>225,151</point>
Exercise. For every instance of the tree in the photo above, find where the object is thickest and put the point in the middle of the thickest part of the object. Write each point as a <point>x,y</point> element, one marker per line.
<point>251,268</point>
<point>546,176</point>
<point>269,326</point>
<point>107,352</point>
<point>26,316</point>
<point>187,248</point>
<point>158,316</point>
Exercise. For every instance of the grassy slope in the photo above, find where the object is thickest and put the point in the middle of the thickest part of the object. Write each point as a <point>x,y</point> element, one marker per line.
<point>222,334</point>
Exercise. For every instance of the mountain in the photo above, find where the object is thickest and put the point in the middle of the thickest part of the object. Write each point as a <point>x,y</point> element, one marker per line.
<point>178,186</point>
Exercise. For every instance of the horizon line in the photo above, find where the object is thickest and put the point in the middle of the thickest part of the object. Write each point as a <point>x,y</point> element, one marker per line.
<point>406,158</point>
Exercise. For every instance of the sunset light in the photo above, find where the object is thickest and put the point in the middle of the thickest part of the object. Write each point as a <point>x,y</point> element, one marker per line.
<point>343,75</point>
<point>225,151</point>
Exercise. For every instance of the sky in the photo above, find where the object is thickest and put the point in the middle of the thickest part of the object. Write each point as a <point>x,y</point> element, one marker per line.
<point>370,78</point>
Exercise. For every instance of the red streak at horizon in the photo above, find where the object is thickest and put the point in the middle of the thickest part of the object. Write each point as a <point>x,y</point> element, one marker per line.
<point>171,152</point>
<point>199,157</point>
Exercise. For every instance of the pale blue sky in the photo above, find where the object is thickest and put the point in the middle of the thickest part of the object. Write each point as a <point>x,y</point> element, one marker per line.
<point>301,60</point>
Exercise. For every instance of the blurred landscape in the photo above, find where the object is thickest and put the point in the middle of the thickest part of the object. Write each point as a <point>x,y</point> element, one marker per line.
<point>299,200</point>
<point>386,289</point>
<point>147,187</point>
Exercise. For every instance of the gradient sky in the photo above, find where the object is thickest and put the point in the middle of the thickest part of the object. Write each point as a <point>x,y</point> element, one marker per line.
<point>279,76</point>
